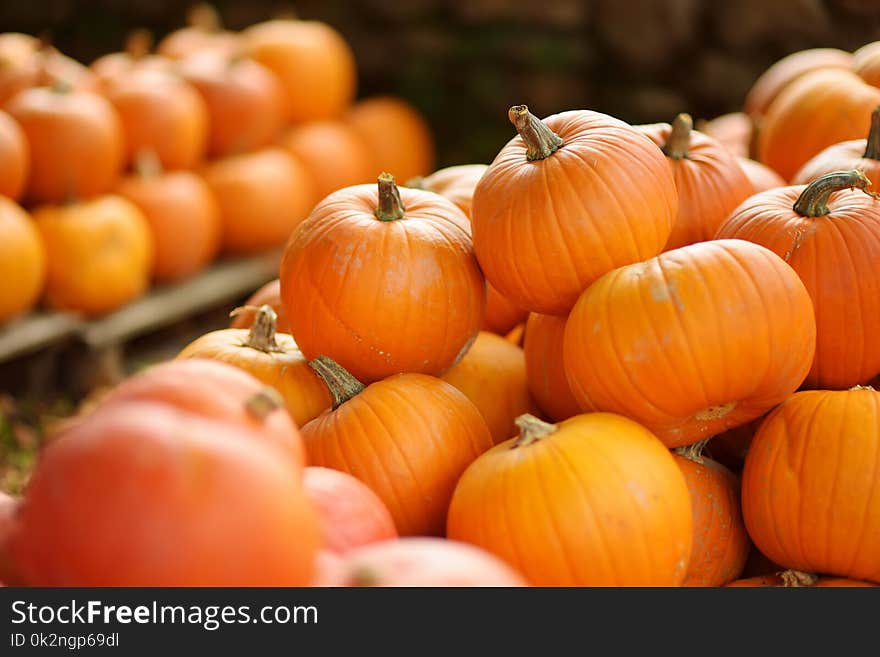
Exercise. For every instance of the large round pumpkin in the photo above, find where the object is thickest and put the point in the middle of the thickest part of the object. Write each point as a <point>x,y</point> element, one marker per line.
<point>596,500</point>
<point>408,437</point>
<point>545,367</point>
<point>693,342</point>
<point>22,261</point>
<point>709,181</point>
<point>833,243</point>
<point>546,225</point>
<point>383,280</point>
<point>99,253</point>
<point>14,158</point>
<point>811,484</point>
<point>75,141</point>
<point>269,295</point>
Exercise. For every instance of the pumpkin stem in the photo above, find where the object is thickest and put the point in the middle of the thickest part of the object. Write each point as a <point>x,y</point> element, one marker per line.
<point>540,140</point>
<point>204,16</point>
<point>147,163</point>
<point>139,43</point>
<point>813,201</point>
<point>860,387</point>
<point>262,333</point>
<point>390,205</point>
<point>531,429</point>
<point>795,578</point>
<point>678,143</point>
<point>872,148</point>
<point>342,385</point>
<point>693,452</point>
<point>264,402</point>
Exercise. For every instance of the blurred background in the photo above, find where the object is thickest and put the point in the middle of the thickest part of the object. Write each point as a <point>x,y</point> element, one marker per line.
<point>464,62</point>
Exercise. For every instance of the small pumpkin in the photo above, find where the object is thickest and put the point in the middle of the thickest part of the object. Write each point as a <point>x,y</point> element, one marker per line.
<point>14,158</point>
<point>182,213</point>
<point>411,151</point>
<point>99,253</point>
<point>596,500</point>
<point>312,60</point>
<point>384,311</point>
<point>821,515</point>
<point>270,357</point>
<point>545,367</point>
<point>22,261</point>
<point>32,62</point>
<point>408,437</point>
<point>270,295</point>
<point>546,226</point>
<point>638,341</point>
<point>761,176</point>
<point>75,141</point>
<point>734,131</point>
<point>135,57</point>
<point>262,195</point>
<point>203,32</point>
<point>349,512</point>
<point>493,376</point>
<point>833,243</point>
<point>708,178</point>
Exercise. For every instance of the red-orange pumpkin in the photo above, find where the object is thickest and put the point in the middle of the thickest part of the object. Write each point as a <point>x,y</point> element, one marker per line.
<point>833,243</point>
<point>693,342</point>
<point>761,176</point>
<point>545,367</point>
<point>546,225</point>
<point>811,484</point>
<point>364,274</point>
<point>22,261</point>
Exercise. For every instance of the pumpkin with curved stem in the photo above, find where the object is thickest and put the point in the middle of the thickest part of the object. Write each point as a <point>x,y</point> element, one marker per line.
<point>22,261</point>
<point>270,295</point>
<point>408,437</point>
<point>493,376</point>
<point>203,33</point>
<point>708,178</point>
<point>798,124</point>
<point>349,512</point>
<point>639,343</point>
<point>866,63</point>
<point>578,221</point>
<point>362,273</point>
<point>811,487</point>
<point>545,367</point>
<point>734,131</point>
<point>830,235</point>
<point>14,158</point>
<point>761,176</point>
<point>75,142</point>
<point>272,358</point>
<point>595,500</point>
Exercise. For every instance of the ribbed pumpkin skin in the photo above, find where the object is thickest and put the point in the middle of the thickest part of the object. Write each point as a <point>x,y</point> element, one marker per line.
<point>492,374</point>
<point>545,229</point>
<point>760,175</point>
<point>22,261</point>
<point>811,484</point>
<point>837,256</point>
<point>408,437</point>
<point>709,181</point>
<point>383,297</point>
<point>600,502</point>
<point>840,157</point>
<point>545,367</point>
<point>693,342</point>
<point>815,111</point>
<point>721,544</point>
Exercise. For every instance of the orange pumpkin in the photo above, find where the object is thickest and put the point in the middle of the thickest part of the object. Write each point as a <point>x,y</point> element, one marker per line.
<point>75,142</point>
<point>639,343</point>
<point>493,376</point>
<point>546,226</point>
<point>811,487</point>
<point>761,176</point>
<point>14,158</point>
<point>144,494</point>
<point>833,243</point>
<point>794,579</point>
<point>244,100</point>
<point>135,57</point>
<point>183,216</point>
<point>333,152</point>
<point>31,62</point>
<point>203,33</point>
<point>408,437</point>
<point>720,543</point>
<point>99,253</point>
<point>596,500</point>
<point>733,131</point>
<point>263,197</point>
<point>813,112</point>
<point>312,60</point>
<point>270,295</point>
<point>866,63</point>
<point>545,367</point>
<point>384,312</point>
<point>708,178</point>
<point>397,134</point>
<point>22,261</point>
<point>270,357</point>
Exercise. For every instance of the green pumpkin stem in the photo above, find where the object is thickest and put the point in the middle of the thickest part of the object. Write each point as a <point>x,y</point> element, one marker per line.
<point>872,148</point>
<point>678,143</point>
<point>540,140</point>
<point>693,452</point>
<point>813,201</point>
<point>390,205</point>
<point>341,383</point>
<point>532,429</point>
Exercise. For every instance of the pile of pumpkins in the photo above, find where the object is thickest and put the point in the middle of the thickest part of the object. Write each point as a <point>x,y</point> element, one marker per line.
<point>616,356</point>
<point>148,164</point>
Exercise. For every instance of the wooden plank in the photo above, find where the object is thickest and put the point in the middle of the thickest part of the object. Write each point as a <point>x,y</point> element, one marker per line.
<point>36,331</point>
